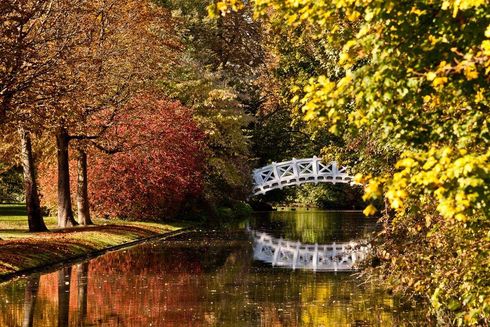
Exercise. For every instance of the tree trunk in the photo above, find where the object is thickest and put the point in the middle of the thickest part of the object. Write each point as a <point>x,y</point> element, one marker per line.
<point>30,300</point>
<point>65,210</point>
<point>82,190</point>
<point>82,283</point>
<point>64,277</point>
<point>34,215</point>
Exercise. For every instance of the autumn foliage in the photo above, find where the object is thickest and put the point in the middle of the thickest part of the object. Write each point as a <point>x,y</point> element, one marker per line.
<point>160,164</point>
<point>153,160</point>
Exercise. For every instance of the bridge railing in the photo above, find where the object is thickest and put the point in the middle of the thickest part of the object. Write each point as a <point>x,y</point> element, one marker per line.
<point>297,172</point>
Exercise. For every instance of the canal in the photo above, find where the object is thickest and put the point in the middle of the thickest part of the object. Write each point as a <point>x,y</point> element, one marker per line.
<point>209,277</point>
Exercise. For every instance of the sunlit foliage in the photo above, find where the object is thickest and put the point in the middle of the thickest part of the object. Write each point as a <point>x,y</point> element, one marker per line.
<point>416,77</point>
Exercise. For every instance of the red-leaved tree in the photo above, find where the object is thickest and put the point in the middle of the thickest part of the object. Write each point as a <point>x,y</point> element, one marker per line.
<point>146,164</point>
<point>159,165</point>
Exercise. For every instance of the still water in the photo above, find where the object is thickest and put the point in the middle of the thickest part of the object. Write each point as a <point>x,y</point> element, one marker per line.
<point>208,278</point>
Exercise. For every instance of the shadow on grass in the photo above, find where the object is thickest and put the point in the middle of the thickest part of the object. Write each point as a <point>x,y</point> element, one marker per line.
<point>12,210</point>
<point>111,229</point>
<point>11,230</point>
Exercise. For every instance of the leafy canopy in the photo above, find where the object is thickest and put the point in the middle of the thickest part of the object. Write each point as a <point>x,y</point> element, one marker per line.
<point>415,75</point>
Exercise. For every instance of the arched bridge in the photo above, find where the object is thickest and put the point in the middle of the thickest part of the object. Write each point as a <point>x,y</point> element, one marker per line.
<point>295,255</point>
<point>297,172</point>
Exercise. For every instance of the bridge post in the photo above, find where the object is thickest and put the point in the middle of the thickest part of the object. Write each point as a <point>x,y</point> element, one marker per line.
<point>315,168</point>
<point>277,176</point>
<point>295,170</point>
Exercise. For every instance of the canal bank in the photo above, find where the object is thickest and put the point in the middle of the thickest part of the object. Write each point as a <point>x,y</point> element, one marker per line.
<point>22,252</point>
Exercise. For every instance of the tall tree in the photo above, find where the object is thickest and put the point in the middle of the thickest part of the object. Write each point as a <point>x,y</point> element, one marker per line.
<point>34,215</point>
<point>216,79</point>
<point>82,189</point>
<point>34,41</point>
<point>127,46</point>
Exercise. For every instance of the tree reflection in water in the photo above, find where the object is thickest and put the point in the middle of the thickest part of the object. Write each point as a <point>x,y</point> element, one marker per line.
<point>197,279</point>
<point>64,283</point>
<point>82,284</point>
<point>32,287</point>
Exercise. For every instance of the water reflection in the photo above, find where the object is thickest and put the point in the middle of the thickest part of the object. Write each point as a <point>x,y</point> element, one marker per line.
<point>30,297</point>
<point>317,257</point>
<point>197,279</point>
<point>315,226</point>
<point>82,285</point>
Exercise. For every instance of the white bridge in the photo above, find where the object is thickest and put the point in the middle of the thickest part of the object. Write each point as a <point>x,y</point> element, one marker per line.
<point>297,172</point>
<point>325,257</point>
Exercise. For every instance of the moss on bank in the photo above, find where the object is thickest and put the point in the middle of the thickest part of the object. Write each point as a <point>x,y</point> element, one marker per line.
<point>20,250</point>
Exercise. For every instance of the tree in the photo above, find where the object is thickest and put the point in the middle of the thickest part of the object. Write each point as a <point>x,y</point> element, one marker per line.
<point>215,77</point>
<point>34,40</point>
<point>160,165</point>
<point>123,48</point>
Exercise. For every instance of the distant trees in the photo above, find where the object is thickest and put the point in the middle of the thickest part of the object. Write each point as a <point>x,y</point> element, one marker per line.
<point>215,77</point>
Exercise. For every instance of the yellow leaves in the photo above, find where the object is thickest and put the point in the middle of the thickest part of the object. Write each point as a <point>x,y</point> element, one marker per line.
<point>358,178</point>
<point>417,11</point>
<point>480,95</point>
<point>486,47</point>
<point>396,198</point>
<point>470,71</point>
<point>353,16</point>
<point>292,19</point>
<point>439,82</point>
<point>369,210</point>
<point>406,163</point>
<point>455,177</point>
<point>433,40</point>
<point>431,76</point>
<point>457,5</point>
<point>344,58</point>
<point>487,31</point>
<point>372,190</point>
<point>223,7</point>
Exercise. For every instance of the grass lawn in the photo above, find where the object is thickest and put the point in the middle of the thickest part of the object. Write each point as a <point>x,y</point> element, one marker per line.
<point>20,250</point>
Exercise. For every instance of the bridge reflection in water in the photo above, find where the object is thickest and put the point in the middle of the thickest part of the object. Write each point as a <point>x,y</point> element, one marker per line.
<point>295,255</point>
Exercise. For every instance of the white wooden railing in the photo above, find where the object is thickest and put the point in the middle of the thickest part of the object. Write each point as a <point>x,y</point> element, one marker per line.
<point>297,172</point>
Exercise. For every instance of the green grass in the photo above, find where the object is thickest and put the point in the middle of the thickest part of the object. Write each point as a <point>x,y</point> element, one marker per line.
<point>13,223</point>
<point>57,245</point>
